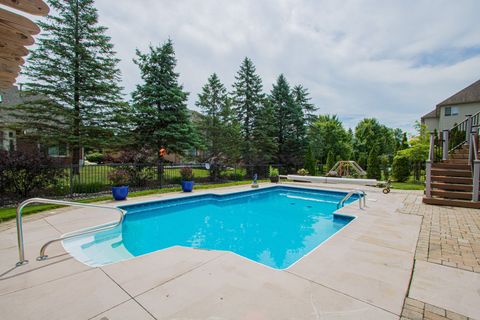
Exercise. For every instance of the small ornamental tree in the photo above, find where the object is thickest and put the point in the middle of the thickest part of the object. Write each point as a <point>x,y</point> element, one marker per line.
<point>310,163</point>
<point>330,161</point>
<point>373,165</point>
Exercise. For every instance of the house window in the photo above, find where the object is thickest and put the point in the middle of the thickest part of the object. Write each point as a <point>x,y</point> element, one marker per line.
<point>451,111</point>
<point>58,150</point>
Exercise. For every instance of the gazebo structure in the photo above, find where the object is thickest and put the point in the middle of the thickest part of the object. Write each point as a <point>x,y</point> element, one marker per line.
<point>16,33</point>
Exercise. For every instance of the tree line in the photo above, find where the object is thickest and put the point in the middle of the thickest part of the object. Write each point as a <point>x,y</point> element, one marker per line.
<point>74,82</point>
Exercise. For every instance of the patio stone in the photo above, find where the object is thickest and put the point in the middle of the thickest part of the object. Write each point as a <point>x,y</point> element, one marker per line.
<point>231,287</point>
<point>127,310</point>
<point>79,296</point>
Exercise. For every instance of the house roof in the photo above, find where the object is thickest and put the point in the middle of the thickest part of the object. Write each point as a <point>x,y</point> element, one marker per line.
<point>431,114</point>
<point>468,95</point>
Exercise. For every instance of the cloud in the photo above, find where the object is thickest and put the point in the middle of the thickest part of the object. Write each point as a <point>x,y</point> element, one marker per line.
<point>393,60</point>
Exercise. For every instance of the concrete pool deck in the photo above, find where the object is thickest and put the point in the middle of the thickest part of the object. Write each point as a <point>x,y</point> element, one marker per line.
<point>362,272</point>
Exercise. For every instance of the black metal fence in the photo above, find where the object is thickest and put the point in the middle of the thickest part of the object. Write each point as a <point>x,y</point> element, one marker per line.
<point>92,180</point>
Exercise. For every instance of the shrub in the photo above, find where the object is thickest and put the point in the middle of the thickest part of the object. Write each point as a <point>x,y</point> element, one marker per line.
<point>401,168</point>
<point>273,172</point>
<point>95,157</point>
<point>24,172</point>
<point>186,173</point>
<point>118,177</point>
<point>310,163</point>
<point>302,172</point>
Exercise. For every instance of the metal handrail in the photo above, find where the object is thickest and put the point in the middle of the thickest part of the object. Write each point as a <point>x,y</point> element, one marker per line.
<point>43,256</point>
<point>362,196</point>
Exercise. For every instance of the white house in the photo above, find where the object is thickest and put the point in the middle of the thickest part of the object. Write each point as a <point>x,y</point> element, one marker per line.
<point>454,109</point>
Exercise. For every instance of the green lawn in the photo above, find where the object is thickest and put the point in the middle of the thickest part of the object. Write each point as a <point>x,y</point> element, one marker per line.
<point>10,213</point>
<point>408,185</point>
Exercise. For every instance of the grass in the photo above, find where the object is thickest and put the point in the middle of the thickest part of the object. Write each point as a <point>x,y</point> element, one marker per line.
<point>410,185</point>
<point>10,213</point>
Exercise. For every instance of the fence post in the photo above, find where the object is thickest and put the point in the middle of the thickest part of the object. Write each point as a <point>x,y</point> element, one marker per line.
<point>476,179</point>
<point>445,145</point>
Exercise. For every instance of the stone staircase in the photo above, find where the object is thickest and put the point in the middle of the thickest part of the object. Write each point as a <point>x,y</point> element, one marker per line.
<point>452,182</point>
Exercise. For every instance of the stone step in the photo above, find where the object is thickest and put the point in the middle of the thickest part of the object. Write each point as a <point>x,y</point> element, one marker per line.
<point>455,180</point>
<point>448,194</point>
<point>451,186</point>
<point>451,172</point>
<point>451,202</point>
<point>447,165</point>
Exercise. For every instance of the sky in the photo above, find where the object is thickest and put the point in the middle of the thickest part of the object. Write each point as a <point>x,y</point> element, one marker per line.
<point>392,60</point>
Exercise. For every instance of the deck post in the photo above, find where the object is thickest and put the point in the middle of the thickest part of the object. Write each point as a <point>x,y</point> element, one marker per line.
<point>445,145</point>
<point>428,167</point>
<point>468,129</point>
<point>476,179</point>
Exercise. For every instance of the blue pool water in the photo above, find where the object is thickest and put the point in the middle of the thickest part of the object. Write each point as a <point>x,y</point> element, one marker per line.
<point>274,226</point>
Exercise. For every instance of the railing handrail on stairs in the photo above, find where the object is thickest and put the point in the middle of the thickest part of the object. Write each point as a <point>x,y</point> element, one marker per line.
<point>475,163</point>
<point>43,256</point>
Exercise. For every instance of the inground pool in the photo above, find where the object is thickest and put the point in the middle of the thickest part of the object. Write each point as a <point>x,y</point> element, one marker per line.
<point>275,226</point>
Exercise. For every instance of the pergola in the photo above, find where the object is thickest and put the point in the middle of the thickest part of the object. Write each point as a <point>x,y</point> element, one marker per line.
<point>16,33</point>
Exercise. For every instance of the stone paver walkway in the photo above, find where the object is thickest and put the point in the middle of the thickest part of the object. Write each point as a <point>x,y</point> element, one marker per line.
<point>449,237</point>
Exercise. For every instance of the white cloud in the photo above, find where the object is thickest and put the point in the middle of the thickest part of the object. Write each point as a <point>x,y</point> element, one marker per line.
<point>358,58</point>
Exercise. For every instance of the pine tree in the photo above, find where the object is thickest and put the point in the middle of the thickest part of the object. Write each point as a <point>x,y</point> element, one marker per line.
<point>265,145</point>
<point>302,99</point>
<point>73,80</point>
<point>219,126</point>
<point>248,99</point>
<point>289,122</point>
<point>373,166</point>
<point>161,116</point>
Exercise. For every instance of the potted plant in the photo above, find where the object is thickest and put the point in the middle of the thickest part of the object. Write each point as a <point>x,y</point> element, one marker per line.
<point>187,179</point>
<point>119,179</point>
<point>274,174</point>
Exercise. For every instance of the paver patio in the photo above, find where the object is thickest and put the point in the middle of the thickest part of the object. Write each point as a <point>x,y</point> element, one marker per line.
<point>363,272</point>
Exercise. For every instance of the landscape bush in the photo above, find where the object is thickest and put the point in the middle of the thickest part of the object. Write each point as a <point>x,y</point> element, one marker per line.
<point>95,157</point>
<point>24,172</point>
<point>401,168</point>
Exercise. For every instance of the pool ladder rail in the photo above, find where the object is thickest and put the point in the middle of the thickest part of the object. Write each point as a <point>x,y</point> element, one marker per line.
<point>43,256</point>
<point>362,197</point>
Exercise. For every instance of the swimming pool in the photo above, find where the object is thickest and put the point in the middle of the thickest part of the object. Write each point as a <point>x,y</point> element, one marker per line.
<point>275,226</point>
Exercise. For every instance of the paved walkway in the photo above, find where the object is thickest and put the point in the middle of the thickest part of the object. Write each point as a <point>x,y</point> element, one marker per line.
<point>446,278</point>
<point>363,272</point>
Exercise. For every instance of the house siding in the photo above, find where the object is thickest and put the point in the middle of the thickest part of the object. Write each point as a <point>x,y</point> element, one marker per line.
<point>447,122</point>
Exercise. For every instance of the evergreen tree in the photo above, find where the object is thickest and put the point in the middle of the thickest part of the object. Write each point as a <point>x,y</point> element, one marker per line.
<point>302,99</point>
<point>404,145</point>
<point>248,100</point>
<point>373,166</point>
<point>330,161</point>
<point>160,104</point>
<point>265,145</point>
<point>73,80</point>
<point>219,126</point>
<point>289,122</point>
<point>310,163</point>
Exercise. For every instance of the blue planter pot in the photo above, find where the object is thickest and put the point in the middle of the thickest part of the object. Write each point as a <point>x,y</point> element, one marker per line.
<point>187,186</point>
<point>120,193</point>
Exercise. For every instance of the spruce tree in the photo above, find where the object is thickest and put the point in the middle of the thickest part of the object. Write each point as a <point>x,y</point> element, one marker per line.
<point>302,99</point>
<point>265,145</point>
<point>373,166</point>
<point>161,117</point>
<point>73,80</point>
<point>289,122</point>
<point>248,99</point>
<point>219,126</point>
